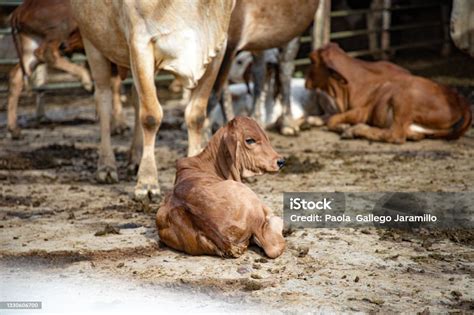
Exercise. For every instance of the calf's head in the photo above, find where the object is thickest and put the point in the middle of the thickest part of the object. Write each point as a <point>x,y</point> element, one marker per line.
<point>326,68</point>
<point>248,149</point>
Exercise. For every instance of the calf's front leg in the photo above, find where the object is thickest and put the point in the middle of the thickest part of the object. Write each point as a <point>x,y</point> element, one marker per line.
<point>342,121</point>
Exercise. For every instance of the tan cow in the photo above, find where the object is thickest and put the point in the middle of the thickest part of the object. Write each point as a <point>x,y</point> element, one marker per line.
<point>381,101</point>
<point>187,38</point>
<point>257,25</point>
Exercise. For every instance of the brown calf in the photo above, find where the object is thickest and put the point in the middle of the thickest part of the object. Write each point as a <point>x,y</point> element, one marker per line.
<point>210,211</point>
<point>384,101</point>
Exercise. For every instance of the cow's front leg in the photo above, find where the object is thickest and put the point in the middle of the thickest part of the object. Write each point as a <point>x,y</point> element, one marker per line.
<point>195,114</point>
<point>100,67</point>
<point>150,116</point>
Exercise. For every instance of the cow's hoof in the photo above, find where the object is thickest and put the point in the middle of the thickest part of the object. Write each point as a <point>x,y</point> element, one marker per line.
<point>88,85</point>
<point>107,175</point>
<point>15,133</point>
<point>289,131</point>
<point>147,193</point>
<point>119,127</point>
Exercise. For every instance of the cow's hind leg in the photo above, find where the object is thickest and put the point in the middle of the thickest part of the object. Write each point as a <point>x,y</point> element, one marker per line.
<point>289,126</point>
<point>119,124</point>
<point>14,91</point>
<point>16,84</point>
<point>136,148</point>
<point>101,67</point>
<point>54,59</point>
<point>195,114</point>
<point>150,116</point>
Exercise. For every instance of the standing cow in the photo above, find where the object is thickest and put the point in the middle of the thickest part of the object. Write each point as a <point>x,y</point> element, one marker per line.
<point>187,38</point>
<point>40,28</point>
<point>257,25</point>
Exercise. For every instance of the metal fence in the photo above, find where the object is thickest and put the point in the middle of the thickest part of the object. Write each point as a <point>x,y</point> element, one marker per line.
<point>380,32</point>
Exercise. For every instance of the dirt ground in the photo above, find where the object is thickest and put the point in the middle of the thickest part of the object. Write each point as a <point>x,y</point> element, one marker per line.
<point>57,224</point>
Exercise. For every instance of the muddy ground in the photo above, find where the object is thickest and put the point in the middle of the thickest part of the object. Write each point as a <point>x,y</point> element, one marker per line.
<point>58,225</point>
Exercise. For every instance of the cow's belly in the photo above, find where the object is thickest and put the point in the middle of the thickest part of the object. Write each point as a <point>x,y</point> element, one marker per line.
<point>259,31</point>
<point>102,30</point>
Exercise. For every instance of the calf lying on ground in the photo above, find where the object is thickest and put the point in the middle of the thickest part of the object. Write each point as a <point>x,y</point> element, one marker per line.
<point>396,104</point>
<point>209,210</point>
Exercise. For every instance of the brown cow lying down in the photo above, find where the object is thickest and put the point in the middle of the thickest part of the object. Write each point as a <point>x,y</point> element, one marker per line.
<point>384,101</point>
<point>210,211</point>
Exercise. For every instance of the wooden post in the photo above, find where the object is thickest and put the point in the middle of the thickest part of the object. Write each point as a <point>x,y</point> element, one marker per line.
<point>386,21</point>
<point>445,20</point>
<point>322,24</point>
<point>373,20</point>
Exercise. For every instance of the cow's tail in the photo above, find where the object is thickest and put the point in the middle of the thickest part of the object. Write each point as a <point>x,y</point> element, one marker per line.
<point>15,26</point>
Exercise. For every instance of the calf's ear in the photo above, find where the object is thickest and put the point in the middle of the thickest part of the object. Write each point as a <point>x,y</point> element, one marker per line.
<point>232,146</point>
<point>232,142</point>
<point>332,65</point>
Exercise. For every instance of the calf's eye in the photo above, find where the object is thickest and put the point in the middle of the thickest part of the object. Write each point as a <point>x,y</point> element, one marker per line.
<point>250,141</point>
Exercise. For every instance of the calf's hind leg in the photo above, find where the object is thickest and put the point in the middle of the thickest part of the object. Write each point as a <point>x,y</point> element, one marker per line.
<point>396,134</point>
<point>270,236</point>
<point>177,231</point>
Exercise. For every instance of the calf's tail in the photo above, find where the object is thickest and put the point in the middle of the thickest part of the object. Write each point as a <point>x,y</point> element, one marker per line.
<point>462,125</point>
